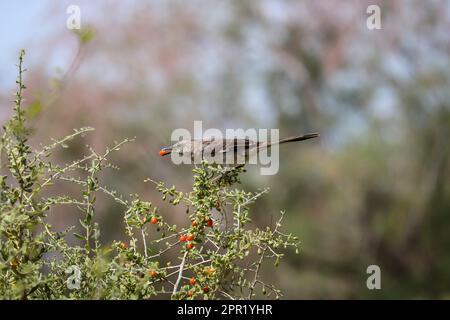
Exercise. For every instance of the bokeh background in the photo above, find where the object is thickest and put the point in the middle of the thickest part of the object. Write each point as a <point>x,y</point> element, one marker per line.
<point>373,190</point>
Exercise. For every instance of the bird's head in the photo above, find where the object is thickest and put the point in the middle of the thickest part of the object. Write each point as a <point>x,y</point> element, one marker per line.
<point>165,151</point>
<point>181,147</point>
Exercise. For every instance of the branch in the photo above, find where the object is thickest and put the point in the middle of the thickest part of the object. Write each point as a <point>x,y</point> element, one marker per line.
<point>180,273</point>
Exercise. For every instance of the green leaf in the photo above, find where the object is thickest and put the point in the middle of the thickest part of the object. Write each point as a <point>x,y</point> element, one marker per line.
<point>79,236</point>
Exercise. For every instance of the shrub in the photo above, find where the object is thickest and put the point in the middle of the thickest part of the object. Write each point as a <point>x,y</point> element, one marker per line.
<point>218,253</point>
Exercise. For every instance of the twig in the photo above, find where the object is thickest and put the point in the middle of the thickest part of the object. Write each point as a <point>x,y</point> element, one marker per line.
<point>175,287</point>
<point>258,265</point>
<point>144,241</point>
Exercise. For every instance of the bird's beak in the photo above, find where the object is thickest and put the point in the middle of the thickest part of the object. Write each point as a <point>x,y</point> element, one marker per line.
<point>165,151</point>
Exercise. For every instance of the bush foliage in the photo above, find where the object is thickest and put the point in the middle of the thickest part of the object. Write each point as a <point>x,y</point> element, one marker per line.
<point>218,253</point>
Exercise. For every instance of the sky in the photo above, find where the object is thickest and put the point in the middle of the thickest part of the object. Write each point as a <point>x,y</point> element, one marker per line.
<point>20,23</point>
<point>26,24</point>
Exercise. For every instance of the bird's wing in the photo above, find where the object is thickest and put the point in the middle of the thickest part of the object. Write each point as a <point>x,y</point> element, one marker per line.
<point>238,145</point>
<point>211,146</point>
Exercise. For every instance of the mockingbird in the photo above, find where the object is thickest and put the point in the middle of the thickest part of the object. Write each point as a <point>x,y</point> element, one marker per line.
<point>222,150</point>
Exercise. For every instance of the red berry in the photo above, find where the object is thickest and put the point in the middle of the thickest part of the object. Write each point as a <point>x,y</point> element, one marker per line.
<point>192,281</point>
<point>189,294</point>
<point>123,245</point>
<point>210,223</point>
<point>194,223</point>
<point>153,274</point>
<point>182,238</point>
<point>153,220</point>
<point>190,237</point>
<point>189,246</point>
<point>205,289</point>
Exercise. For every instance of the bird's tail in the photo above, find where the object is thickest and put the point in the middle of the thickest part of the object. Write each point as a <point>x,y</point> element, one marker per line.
<point>299,138</point>
<point>290,139</point>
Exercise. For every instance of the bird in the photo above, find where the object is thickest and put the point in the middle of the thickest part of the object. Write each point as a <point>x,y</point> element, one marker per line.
<point>236,150</point>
